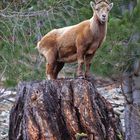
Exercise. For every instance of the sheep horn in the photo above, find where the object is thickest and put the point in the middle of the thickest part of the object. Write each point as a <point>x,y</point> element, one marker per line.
<point>99,1</point>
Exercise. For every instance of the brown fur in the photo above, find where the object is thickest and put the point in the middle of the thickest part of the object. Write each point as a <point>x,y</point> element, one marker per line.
<point>74,43</point>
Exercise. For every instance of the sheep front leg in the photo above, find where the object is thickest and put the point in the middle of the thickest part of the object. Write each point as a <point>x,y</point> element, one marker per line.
<point>80,58</point>
<point>79,69</point>
<point>88,61</point>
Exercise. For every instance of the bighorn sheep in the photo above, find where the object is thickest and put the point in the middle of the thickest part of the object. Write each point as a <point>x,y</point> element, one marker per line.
<point>76,43</point>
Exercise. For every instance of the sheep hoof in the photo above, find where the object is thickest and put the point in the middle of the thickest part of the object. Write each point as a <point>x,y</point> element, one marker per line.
<point>89,75</point>
<point>81,77</point>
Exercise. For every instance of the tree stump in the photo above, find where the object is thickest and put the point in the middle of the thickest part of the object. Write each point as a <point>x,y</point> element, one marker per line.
<point>61,110</point>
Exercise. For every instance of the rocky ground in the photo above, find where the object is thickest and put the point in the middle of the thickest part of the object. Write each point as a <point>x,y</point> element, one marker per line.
<point>7,98</point>
<point>114,96</point>
<point>107,88</point>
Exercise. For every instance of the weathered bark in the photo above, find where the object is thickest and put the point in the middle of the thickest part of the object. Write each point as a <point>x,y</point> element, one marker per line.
<point>59,110</point>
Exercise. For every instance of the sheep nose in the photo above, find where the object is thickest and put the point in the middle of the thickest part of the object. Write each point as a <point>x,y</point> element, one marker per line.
<point>104,15</point>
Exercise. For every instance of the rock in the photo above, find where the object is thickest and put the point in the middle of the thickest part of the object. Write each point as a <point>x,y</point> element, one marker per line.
<point>61,110</point>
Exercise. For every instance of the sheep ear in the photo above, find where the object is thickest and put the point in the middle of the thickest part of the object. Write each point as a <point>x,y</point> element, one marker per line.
<point>92,4</point>
<point>110,6</point>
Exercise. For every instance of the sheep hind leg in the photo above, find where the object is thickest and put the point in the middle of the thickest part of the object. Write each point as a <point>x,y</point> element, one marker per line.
<point>51,58</point>
<point>58,68</point>
<point>49,71</point>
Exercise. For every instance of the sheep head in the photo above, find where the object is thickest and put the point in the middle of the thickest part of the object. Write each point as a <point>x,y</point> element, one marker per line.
<point>101,9</point>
